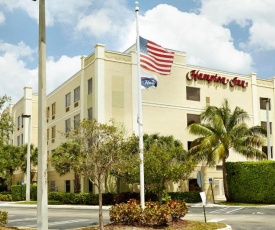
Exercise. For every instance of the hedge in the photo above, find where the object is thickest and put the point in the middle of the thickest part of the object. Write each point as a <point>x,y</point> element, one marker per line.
<point>19,193</point>
<point>251,182</point>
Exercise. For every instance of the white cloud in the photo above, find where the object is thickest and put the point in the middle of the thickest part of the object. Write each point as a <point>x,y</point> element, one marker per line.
<point>58,71</point>
<point>111,20</point>
<point>15,75</point>
<point>2,18</point>
<point>259,12</point>
<point>206,43</point>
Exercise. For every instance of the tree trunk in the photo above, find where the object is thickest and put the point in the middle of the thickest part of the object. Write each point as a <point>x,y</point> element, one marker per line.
<point>77,184</point>
<point>100,216</point>
<point>224,172</point>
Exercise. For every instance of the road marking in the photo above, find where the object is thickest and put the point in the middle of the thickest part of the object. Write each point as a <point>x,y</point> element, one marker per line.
<point>235,210</point>
<point>218,210</point>
<point>23,219</point>
<point>257,213</point>
<point>215,220</point>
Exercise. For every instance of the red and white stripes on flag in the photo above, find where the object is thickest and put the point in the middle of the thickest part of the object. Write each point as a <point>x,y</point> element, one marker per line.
<point>155,58</point>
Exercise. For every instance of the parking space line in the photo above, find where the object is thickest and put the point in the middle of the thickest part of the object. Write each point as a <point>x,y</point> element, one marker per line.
<point>218,210</point>
<point>235,210</point>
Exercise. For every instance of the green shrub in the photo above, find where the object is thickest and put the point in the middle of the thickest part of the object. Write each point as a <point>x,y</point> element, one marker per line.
<point>18,192</point>
<point>7,197</point>
<point>33,192</point>
<point>56,196</point>
<point>3,218</point>
<point>251,182</point>
<point>68,198</point>
<point>131,213</point>
<point>188,197</point>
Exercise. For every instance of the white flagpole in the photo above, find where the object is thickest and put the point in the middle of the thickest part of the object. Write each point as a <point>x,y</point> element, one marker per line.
<point>139,118</point>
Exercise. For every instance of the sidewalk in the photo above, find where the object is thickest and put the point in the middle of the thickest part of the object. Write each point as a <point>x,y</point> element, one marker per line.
<point>17,204</point>
<point>271,206</point>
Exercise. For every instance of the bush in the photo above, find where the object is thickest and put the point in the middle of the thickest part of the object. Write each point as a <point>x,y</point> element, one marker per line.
<point>251,182</point>
<point>55,196</point>
<point>6,197</point>
<point>18,192</point>
<point>188,197</point>
<point>131,213</point>
<point>3,218</point>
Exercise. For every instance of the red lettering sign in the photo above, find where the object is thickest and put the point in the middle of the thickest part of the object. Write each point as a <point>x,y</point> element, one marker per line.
<point>196,75</point>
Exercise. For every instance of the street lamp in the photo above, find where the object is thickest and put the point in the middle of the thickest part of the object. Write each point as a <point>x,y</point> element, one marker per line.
<point>267,106</point>
<point>28,159</point>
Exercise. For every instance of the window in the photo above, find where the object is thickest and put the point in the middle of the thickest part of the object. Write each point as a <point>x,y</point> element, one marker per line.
<point>264,149</point>
<point>219,167</point>
<point>22,139</point>
<point>218,188</point>
<point>193,93</point>
<point>264,125</point>
<point>263,101</point>
<point>90,186</point>
<point>193,118</point>
<point>48,135</point>
<point>76,121</point>
<point>53,188</point>
<point>67,186</point>
<point>48,113</point>
<point>90,113</point>
<point>22,121</point>
<point>193,185</point>
<point>67,100</point>
<point>68,125</point>
<point>18,140</point>
<point>77,94</point>
<point>189,145</point>
<point>18,122</point>
<point>90,86</point>
<point>53,110</point>
<point>53,134</point>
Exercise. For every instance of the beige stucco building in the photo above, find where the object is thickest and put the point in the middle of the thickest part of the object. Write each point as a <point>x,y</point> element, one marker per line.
<point>106,88</point>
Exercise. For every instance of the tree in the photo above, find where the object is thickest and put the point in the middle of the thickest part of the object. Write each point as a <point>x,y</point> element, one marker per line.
<point>165,160</point>
<point>221,130</point>
<point>127,168</point>
<point>10,160</point>
<point>66,158</point>
<point>100,150</point>
<point>6,121</point>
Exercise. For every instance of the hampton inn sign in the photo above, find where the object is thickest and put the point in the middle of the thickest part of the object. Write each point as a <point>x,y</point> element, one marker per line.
<point>197,75</point>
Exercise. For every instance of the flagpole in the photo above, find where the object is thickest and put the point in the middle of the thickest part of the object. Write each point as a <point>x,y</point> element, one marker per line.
<point>139,118</point>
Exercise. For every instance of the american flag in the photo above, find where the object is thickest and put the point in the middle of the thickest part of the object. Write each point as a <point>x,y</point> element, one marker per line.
<point>155,58</point>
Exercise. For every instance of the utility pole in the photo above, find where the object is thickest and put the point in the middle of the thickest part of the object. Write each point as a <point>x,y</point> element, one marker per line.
<point>42,187</point>
<point>28,159</point>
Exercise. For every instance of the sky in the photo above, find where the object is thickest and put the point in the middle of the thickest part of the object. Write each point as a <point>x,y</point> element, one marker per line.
<point>229,35</point>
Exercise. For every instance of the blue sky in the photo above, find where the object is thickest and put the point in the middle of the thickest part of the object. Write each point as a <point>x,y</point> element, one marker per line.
<point>230,35</point>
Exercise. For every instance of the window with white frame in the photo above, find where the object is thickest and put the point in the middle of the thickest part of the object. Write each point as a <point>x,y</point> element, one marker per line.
<point>67,100</point>
<point>77,94</point>
<point>90,86</point>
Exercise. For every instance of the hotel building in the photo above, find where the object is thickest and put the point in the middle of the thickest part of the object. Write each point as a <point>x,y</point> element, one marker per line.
<point>106,88</point>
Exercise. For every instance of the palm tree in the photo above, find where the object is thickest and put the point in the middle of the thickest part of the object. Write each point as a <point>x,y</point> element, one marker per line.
<point>221,130</point>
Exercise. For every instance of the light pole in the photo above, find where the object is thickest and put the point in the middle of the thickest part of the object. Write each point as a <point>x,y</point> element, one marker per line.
<point>267,106</point>
<point>28,159</point>
<point>42,179</point>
